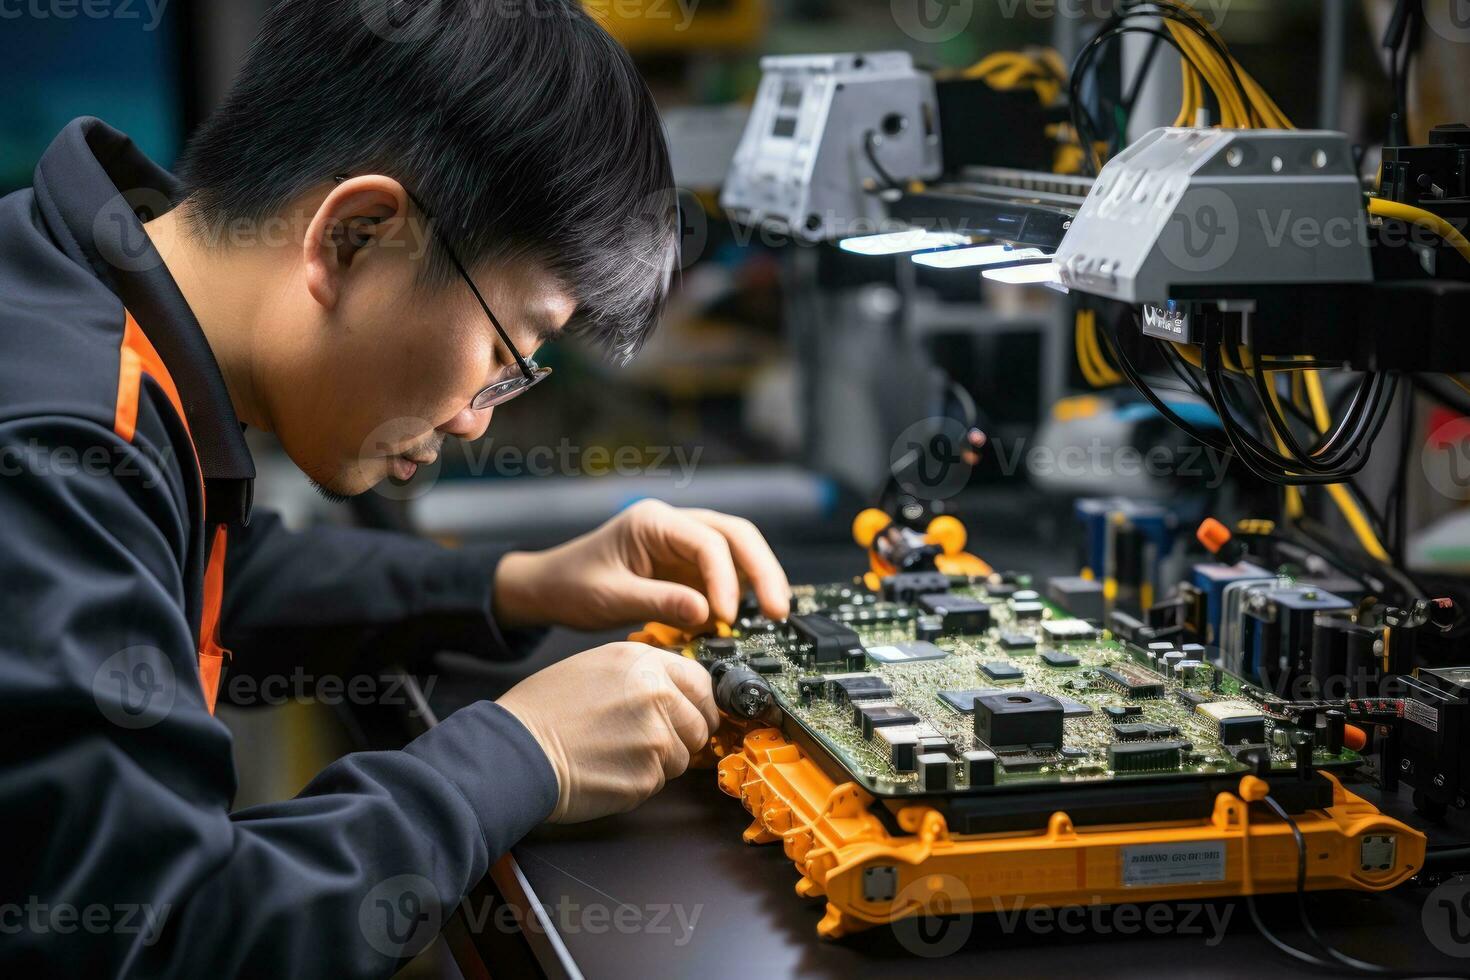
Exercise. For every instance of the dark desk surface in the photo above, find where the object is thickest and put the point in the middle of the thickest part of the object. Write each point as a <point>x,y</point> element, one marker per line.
<point>671,890</point>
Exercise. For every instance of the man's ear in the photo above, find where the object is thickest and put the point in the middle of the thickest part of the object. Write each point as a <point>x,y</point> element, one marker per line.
<point>356,214</point>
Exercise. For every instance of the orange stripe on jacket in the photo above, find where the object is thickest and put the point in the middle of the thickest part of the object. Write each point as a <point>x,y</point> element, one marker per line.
<point>137,357</point>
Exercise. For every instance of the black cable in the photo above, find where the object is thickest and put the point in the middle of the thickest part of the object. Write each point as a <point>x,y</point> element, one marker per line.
<point>870,142</point>
<point>1206,439</point>
<point>1339,959</point>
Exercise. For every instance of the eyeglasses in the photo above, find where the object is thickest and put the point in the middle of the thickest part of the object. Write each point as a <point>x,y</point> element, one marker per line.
<point>526,372</point>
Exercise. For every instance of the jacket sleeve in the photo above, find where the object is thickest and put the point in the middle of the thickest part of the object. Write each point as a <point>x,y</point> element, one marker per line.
<point>118,782</point>
<point>338,597</point>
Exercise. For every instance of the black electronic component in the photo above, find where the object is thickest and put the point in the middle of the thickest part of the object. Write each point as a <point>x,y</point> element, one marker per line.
<point>859,687</point>
<point>1026,610</point>
<point>855,659</point>
<point>1018,762</point>
<point>1056,658</point>
<point>902,744</point>
<point>1019,718</point>
<point>881,716</point>
<point>1192,699</point>
<point>979,765</point>
<point>719,647</point>
<point>1117,711</point>
<point>928,628</point>
<point>830,641</point>
<point>1134,682</point>
<point>1143,729</point>
<point>1000,670</point>
<point>810,688</point>
<point>1001,590</point>
<point>1082,597</point>
<point>1144,756</point>
<point>765,665</point>
<point>1017,641</point>
<point>1244,729</point>
<point>936,771</point>
<point>906,587</point>
<point>1336,730</point>
<point>957,613</point>
<point>740,691</point>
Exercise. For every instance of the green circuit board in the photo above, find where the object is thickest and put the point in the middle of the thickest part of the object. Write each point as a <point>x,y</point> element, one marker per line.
<point>1126,711</point>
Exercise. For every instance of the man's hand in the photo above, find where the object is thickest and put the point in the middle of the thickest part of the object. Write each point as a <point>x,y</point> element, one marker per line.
<point>616,723</point>
<point>652,562</point>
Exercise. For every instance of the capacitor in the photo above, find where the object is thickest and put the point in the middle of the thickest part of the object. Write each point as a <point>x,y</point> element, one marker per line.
<point>1301,744</point>
<point>1336,729</point>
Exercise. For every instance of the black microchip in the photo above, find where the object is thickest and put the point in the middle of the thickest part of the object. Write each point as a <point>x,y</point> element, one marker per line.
<point>765,665</point>
<point>905,587</point>
<point>810,688</point>
<point>1143,729</point>
<point>1017,641</point>
<point>829,640</point>
<point>1000,670</point>
<point>958,613</point>
<point>1056,658</point>
<point>936,772</point>
<point>1192,698</point>
<point>979,767</point>
<point>864,687</point>
<point>1133,684</point>
<point>1026,610</point>
<point>881,716</point>
<point>964,701</point>
<point>1143,756</point>
<point>1122,710</point>
<point>1250,728</point>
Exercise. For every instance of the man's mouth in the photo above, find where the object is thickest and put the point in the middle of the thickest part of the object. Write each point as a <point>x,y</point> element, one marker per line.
<point>403,467</point>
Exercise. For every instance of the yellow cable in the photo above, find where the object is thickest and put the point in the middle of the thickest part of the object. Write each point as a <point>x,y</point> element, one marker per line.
<point>1109,375</point>
<point>1318,400</point>
<point>1425,219</point>
<point>1351,512</point>
<point>1462,385</point>
<point>1084,363</point>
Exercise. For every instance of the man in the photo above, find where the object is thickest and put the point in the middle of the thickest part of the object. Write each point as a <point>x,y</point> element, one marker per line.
<point>370,240</point>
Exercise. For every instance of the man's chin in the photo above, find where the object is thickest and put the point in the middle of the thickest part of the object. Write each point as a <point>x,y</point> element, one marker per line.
<point>334,494</point>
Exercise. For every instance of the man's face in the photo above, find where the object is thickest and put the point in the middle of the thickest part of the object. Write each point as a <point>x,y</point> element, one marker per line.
<point>392,367</point>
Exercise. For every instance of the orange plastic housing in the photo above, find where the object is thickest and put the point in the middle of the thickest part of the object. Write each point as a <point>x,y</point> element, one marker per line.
<point>869,877</point>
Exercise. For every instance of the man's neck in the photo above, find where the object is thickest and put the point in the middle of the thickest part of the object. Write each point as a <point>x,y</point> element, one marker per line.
<point>222,288</point>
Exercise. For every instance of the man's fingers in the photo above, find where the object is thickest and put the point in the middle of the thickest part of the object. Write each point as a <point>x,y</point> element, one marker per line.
<point>754,557</point>
<point>693,682</point>
<point>664,602</point>
<point>707,550</point>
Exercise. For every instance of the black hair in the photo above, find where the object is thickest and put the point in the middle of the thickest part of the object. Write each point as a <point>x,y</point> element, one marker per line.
<point>520,124</point>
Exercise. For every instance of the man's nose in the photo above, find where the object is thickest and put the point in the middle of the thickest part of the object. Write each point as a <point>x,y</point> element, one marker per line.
<point>469,424</point>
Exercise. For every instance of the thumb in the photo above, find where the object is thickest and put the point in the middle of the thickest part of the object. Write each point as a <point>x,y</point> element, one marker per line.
<point>665,602</point>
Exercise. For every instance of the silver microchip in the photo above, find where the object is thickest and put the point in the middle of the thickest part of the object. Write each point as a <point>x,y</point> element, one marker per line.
<point>1068,629</point>
<point>914,651</point>
<point>1377,852</point>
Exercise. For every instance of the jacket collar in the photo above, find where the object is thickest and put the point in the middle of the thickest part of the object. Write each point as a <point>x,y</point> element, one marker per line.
<point>94,183</point>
